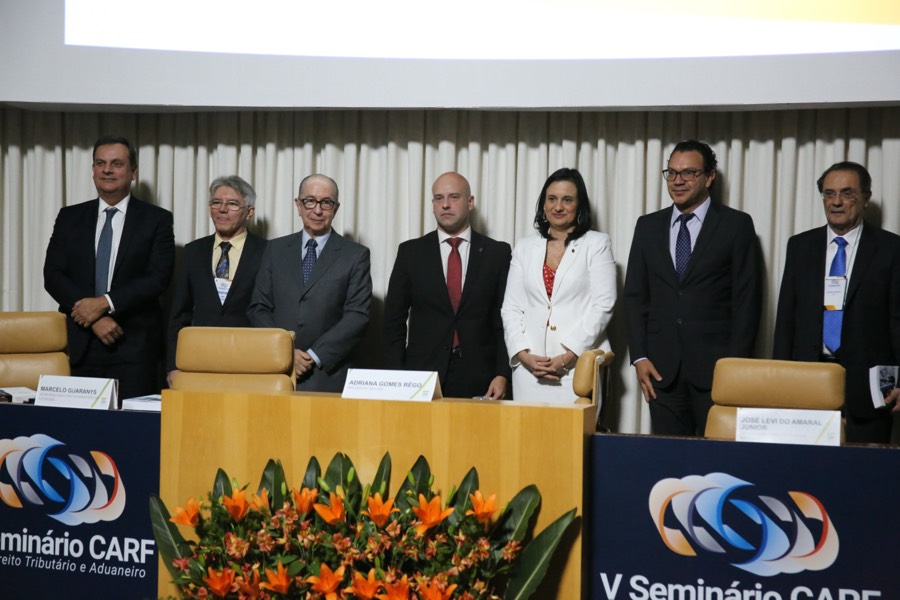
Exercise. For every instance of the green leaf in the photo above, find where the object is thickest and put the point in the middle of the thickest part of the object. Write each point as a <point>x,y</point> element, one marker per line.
<point>460,500</point>
<point>334,474</point>
<point>514,520</point>
<point>313,472</point>
<point>531,565</point>
<point>273,481</point>
<point>222,485</point>
<point>169,540</point>
<point>416,483</point>
<point>382,481</point>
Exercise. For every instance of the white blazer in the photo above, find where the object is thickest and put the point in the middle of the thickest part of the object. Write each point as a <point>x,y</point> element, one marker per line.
<point>574,318</point>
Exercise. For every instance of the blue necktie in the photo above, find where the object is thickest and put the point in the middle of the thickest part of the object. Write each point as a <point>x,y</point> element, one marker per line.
<point>223,266</point>
<point>104,253</point>
<point>309,261</point>
<point>834,319</point>
<point>683,246</point>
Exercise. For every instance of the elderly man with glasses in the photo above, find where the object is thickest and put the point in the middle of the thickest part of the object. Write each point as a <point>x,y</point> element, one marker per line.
<point>316,283</point>
<point>218,271</point>
<point>693,293</point>
<point>840,300</point>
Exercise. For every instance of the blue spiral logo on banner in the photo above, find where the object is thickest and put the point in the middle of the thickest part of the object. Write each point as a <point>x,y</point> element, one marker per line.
<point>723,516</point>
<point>38,473</point>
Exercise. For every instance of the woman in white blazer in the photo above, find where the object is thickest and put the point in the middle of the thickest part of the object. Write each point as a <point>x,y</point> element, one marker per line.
<point>560,292</point>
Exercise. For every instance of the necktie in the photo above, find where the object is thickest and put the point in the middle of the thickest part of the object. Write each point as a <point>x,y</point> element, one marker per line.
<point>104,253</point>
<point>683,246</point>
<point>454,279</point>
<point>834,319</point>
<point>309,261</point>
<point>223,267</point>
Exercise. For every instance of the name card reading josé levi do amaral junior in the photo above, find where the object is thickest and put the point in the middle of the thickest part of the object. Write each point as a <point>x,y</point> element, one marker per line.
<point>77,392</point>
<point>382,384</point>
<point>788,426</point>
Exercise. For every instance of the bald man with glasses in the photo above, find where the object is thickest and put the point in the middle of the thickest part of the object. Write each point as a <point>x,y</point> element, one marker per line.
<point>693,293</point>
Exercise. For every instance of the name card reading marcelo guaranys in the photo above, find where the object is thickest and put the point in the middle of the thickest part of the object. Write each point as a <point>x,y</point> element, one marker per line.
<point>382,384</point>
<point>77,392</point>
<point>788,426</point>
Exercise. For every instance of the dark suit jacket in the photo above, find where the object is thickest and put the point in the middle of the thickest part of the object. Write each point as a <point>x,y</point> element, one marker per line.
<point>196,300</point>
<point>328,315</point>
<point>418,290</point>
<point>870,334</point>
<point>714,312</point>
<point>143,269</point>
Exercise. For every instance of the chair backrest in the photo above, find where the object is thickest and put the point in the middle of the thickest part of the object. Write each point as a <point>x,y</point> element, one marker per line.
<point>243,359</point>
<point>591,378</point>
<point>759,383</point>
<point>32,344</point>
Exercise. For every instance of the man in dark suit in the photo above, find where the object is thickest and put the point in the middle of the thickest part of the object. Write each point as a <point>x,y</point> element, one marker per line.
<point>316,283</point>
<point>693,293</point>
<point>457,333</point>
<point>218,270</point>
<point>854,268</point>
<point>108,262</point>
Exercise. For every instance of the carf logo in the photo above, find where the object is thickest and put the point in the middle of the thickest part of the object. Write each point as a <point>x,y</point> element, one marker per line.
<point>36,472</point>
<point>723,516</point>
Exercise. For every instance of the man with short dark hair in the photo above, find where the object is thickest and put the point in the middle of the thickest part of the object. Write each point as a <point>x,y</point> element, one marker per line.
<point>108,262</point>
<point>840,299</point>
<point>218,271</point>
<point>316,283</point>
<point>453,311</point>
<point>693,293</point>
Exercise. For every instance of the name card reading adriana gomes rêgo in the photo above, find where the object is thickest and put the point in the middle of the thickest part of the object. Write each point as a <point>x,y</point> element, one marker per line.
<point>77,392</point>
<point>382,384</point>
<point>788,426</point>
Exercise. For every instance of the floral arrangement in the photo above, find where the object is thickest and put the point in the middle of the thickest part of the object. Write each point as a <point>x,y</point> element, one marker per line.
<point>332,538</point>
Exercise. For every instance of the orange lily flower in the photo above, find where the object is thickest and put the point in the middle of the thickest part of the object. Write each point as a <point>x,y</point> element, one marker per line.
<point>261,501</point>
<point>237,504</point>
<point>333,514</point>
<point>429,513</point>
<point>277,582</point>
<point>189,515</point>
<point>435,590</point>
<point>249,586</point>
<point>327,582</point>
<point>219,582</point>
<point>304,499</point>
<point>379,511</point>
<point>398,590</point>
<point>363,588</point>
<point>481,508</point>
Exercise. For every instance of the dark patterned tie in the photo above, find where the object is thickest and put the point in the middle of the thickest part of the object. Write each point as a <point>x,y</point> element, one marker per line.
<point>834,319</point>
<point>454,279</point>
<point>309,261</point>
<point>223,267</point>
<point>683,246</point>
<point>104,253</point>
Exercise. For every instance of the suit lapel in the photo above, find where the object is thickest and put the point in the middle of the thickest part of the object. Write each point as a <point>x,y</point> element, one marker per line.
<point>476,258</point>
<point>707,233</point>
<point>565,264</point>
<point>326,258</point>
<point>660,246</point>
<point>129,231</point>
<point>865,255</point>
<point>241,273</point>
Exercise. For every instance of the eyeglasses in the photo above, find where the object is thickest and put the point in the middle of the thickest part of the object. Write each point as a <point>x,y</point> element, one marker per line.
<point>327,204</point>
<point>230,205</point>
<point>686,174</point>
<point>844,194</point>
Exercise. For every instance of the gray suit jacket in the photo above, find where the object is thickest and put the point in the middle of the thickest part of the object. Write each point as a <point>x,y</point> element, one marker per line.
<point>328,315</point>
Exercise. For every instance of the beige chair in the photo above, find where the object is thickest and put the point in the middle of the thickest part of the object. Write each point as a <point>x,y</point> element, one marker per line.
<point>758,383</point>
<point>32,344</point>
<point>591,379</point>
<point>239,359</point>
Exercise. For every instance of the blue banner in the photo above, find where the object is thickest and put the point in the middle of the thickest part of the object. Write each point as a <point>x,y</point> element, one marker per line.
<point>74,503</point>
<point>692,519</point>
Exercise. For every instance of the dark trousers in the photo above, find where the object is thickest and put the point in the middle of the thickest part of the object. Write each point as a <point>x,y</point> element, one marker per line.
<point>680,408</point>
<point>135,379</point>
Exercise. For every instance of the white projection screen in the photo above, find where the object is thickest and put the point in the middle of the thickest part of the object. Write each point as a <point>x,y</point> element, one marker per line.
<point>541,54</point>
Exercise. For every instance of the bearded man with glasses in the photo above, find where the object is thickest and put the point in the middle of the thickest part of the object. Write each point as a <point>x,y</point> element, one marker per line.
<point>218,271</point>
<point>693,293</point>
<point>317,284</point>
<point>840,300</point>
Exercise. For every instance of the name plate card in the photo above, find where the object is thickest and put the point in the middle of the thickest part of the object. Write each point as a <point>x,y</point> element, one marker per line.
<point>381,384</point>
<point>788,426</point>
<point>77,392</point>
